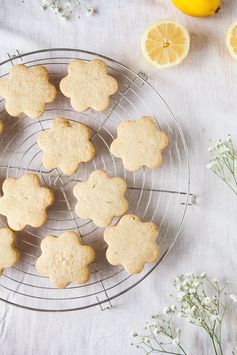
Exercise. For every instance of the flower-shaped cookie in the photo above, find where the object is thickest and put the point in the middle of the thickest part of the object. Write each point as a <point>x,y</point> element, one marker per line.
<point>88,85</point>
<point>131,243</point>
<point>65,259</point>
<point>66,145</point>
<point>9,255</point>
<point>101,198</point>
<point>139,144</point>
<point>27,90</point>
<point>24,201</point>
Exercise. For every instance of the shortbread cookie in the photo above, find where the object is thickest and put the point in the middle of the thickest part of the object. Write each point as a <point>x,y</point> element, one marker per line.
<point>101,198</point>
<point>24,201</point>
<point>139,143</point>
<point>27,90</point>
<point>131,243</point>
<point>9,254</point>
<point>66,145</point>
<point>65,259</point>
<point>88,85</point>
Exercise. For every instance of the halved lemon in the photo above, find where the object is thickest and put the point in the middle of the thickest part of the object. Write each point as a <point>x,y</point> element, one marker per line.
<point>231,40</point>
<point>165,44</point>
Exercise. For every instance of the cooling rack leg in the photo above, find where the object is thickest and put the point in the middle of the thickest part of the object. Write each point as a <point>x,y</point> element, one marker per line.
<point>191,201</point>
<point>104,305</point>
<point>14,56</point>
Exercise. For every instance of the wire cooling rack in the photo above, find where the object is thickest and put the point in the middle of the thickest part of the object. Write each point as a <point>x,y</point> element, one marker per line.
<point>159,195</point>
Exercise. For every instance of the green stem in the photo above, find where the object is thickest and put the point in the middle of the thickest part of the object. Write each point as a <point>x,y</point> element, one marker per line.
<point>231,169</point>
<point>181,348</point>
<point>214,346</point>
<point>235,192</point>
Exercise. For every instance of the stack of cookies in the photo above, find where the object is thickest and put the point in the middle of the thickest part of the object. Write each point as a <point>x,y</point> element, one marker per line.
<point>65,145</point>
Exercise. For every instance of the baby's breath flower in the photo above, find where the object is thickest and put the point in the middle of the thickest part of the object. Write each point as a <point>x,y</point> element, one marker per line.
<point>90,12</point>
<point>196,283</point>
<point>201,302</point>
<point>146,340</point>
<point>176,341</point>
<point>223,162</point>
<point>213,317</point>
<point>173,308</point>
<point>195,301</point>
<point>233,298</point>
<point>198,320</point>
<point>66,8</point>
<point>188,274</point>
<point>206,300</point>
<point>185,282</point>
<point>181,295</point>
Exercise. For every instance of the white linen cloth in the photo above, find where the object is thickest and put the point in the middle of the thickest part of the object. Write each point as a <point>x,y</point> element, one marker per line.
<point>202,93</point>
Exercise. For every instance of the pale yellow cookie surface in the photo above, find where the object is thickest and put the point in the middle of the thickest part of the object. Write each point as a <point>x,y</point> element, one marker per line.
<point>101,198</point>
<point>65,260</point>
<point>9,254</point>
<point>88,85</point>
<point>24,201</point>
<point>132,243</point>
<point>139,143</point>
<point>27,90</point>
<point>66,145</point>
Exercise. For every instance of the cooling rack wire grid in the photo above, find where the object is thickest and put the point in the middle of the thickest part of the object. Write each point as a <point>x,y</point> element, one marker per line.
<point>159,195</point>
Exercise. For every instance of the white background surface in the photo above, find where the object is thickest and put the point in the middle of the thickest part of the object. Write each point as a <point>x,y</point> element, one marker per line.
<point>202,93</point>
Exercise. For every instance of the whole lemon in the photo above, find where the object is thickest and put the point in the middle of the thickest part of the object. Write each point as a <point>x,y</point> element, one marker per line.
<point>198,8</point>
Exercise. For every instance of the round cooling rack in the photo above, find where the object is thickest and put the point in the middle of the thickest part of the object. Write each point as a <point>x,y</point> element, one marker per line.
<point>159,195</point>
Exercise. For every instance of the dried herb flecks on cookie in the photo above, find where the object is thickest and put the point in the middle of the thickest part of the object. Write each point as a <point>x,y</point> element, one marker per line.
<point>27,90</point>
<point>1,127</point>
<point>101,198</point>
<point>132,243</point>
<point>139,143</point>
<point>65,145</point>
<point>65,259</point>
<point>88,85</point>
<point>24,201</point>
<point>9,254</point>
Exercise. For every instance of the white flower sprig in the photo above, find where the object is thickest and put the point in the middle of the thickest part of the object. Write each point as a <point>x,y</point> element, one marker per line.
<point>223,162</point>
<point>202,302</point>
<point>161,335</point>
<point>66,8</point>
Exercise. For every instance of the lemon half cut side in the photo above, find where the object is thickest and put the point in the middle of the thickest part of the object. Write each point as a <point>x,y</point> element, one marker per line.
<point>165,44</point>
<point>231,40</point>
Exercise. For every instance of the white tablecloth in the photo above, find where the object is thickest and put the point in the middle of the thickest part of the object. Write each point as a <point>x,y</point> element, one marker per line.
<point>202,93</point>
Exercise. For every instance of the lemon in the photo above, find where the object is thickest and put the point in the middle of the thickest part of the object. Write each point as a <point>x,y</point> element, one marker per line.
<point>198,8</point>
<point>231,40</point>
<point>165,44</point>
